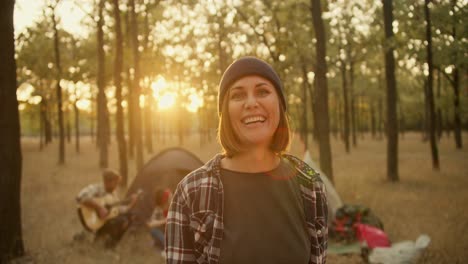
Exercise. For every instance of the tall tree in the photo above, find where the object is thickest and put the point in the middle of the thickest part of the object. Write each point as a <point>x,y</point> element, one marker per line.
<point>345,105</point>
<point>77,126</point>
<point>75,78</point>
<point>58,78</point>
<point>321,90</point>
<point>45,120</point>
<point>136,85</point>
<point>429,87</point>
<point>352,102</point>
<point>102,111</point>
<point>120,133</point>
<point>130,93</point>
<point>392,119</point>
<point>305,83</point>
<point>11,237</point>
<point>148,71</point>
<point>456,84</point>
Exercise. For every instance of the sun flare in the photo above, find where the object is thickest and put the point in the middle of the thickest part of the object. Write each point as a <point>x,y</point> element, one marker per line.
<point>159,86</point>
<point>163,94</point>
<point>167,100</point>
<point>196,101</point>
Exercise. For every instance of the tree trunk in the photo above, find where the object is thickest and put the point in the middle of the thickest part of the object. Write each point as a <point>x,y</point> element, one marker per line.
<point>430,93</point>
<point>11,237</point>
<point>148,117</point>
<point>149,99</point>
<point>392,119</point>
<point>58,88</point>
<point>352,104</point>
<point>136,85</point>
<point>304,125</point>
<point>360,117</point>
<point>46,122</point>
<point>457,119</point>
<point>130,95</point>
<point>67,114</point>
<point>92,120</point>
<point>380,106</point>
<point>120,133</point>
<point>338,118</point>
<point>77,127</point>
<point>402,122</point>
<point>41,127</point>
<point>180,122</point>
<point>456,90</point>
<point>344,85</point>
<point>321,92</point>
<point>439,124</point>
<point>381,122</point>
<point>314,111</point>
<point>131,116</point>
<point>101,100</point>
<point>373,121</point>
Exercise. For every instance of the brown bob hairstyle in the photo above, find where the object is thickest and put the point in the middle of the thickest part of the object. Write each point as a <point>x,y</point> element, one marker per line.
<point>231,143</point>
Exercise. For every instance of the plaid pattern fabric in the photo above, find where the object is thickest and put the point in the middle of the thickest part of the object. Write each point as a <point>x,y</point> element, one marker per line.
<point>194,228</point>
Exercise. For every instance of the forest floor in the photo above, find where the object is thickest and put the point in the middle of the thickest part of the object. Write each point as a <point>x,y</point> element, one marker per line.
<point>424,201</point>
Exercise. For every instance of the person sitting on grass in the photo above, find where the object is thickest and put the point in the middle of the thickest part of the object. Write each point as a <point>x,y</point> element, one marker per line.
<point>157,222</point>
<point>102,212</point>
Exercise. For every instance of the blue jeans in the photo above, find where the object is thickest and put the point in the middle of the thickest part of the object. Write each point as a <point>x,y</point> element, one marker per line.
<point>158,237</point>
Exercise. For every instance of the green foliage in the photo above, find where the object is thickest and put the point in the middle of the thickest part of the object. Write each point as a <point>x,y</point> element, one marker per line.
<point>192,42</point>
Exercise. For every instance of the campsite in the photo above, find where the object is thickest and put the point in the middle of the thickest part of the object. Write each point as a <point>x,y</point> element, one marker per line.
<point>354,115</point>
<point>407,208</point>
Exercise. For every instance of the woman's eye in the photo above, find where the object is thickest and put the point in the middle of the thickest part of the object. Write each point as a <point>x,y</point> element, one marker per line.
<point>263,92</point>
<point>236,96</point>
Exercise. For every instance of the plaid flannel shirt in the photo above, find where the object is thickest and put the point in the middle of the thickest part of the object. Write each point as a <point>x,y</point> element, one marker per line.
<point>91,191</point>
<point>194,228</point>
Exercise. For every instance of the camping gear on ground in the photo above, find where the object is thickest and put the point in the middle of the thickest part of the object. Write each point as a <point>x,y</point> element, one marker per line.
<point>165,170</point>
<point>343,226</point>
<point>405,252</point>
<point>371,236</point>
<point>334,200</point>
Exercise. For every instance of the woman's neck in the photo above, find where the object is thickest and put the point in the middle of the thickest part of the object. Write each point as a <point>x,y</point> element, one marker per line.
<point>252,161</point>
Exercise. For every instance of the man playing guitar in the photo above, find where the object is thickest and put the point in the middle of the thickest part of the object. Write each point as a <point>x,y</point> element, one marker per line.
<point>102,212</point>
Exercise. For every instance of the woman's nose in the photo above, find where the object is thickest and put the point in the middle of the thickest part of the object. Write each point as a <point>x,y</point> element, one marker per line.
<point>251,101</point>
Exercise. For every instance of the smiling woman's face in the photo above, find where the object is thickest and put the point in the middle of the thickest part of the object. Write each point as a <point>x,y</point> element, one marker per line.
<point>254,110</point>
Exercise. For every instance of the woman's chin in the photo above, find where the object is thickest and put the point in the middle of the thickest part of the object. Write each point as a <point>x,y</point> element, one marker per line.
<point>256,142</point>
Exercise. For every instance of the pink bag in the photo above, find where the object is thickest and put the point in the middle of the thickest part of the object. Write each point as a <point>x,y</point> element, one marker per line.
<point>373,237</point>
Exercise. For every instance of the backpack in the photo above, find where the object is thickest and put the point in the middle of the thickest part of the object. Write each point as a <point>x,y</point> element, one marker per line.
<point>344,225</point>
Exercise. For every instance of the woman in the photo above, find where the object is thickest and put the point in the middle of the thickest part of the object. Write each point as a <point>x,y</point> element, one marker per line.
<point>252,203</point>
<point>157,221</point>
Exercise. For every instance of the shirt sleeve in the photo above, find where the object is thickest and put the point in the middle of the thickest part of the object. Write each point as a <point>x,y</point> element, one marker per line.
<point>88,192</point>
<point>180,245</point>
<point>321,224</point>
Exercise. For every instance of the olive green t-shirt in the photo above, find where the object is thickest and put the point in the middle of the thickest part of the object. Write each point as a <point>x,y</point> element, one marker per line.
<point>264,219</point>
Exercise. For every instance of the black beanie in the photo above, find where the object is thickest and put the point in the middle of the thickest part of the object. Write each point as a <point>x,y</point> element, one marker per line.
<point>249,66</point>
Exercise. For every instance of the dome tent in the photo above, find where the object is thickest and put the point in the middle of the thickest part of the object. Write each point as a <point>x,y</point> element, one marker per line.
<point>164,170</point>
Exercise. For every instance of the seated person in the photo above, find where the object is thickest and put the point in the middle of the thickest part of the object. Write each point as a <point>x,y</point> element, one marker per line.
<point>102,212</point>
<point>157,222</point>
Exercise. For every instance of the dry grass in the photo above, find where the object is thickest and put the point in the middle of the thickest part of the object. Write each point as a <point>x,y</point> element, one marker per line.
<point>424,201</point>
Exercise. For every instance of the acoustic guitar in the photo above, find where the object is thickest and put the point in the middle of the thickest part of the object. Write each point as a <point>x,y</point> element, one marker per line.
<point>90,218</point>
